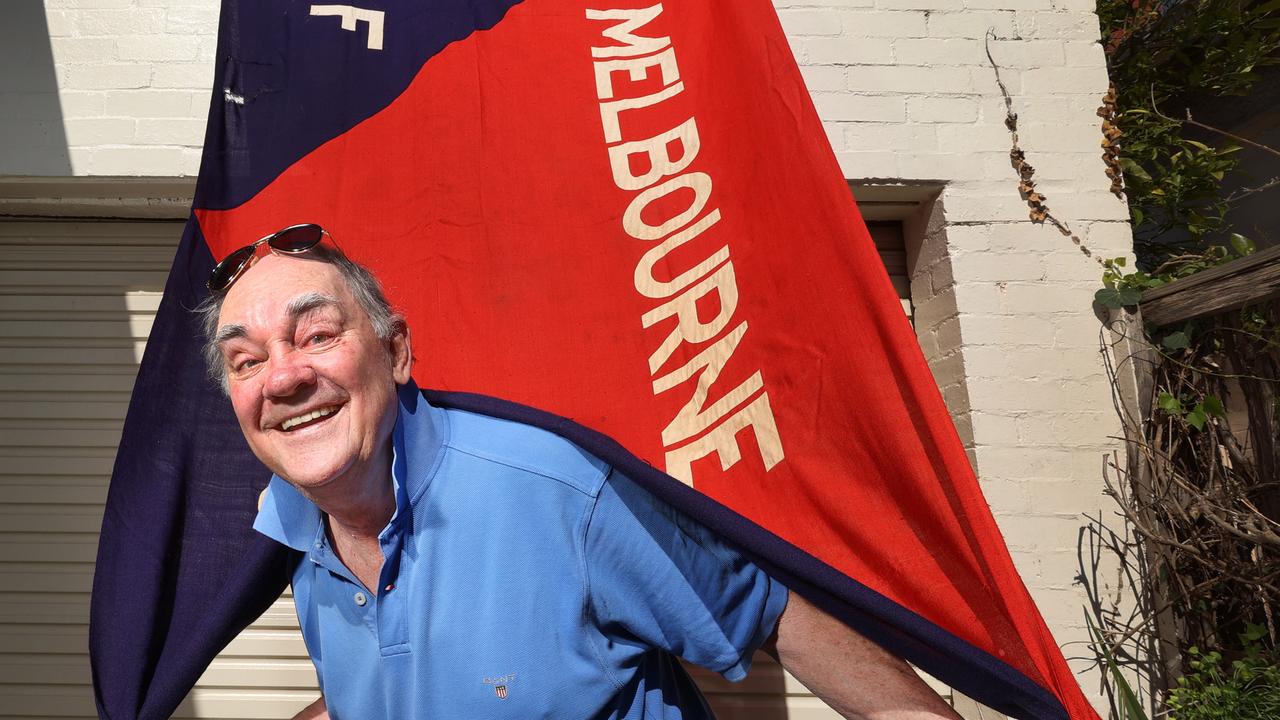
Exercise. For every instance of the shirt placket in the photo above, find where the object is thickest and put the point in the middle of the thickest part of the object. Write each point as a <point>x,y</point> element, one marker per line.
<point>391,615</point>
<point>352,591</point>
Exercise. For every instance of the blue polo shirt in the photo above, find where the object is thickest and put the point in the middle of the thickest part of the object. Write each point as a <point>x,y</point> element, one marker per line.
<point>524,578</point>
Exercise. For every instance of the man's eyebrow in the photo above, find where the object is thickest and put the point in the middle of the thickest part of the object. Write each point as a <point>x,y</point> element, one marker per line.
<point>229,332</point>
<point>307,302</point>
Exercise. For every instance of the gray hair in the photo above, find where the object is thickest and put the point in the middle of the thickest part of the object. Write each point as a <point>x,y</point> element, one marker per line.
<point>364,287</point>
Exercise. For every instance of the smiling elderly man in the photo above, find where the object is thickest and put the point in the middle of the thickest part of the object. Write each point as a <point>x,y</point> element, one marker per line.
<point>453,565</point>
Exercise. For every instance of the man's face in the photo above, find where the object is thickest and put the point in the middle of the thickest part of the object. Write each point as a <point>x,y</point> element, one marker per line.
<point>312,385</point>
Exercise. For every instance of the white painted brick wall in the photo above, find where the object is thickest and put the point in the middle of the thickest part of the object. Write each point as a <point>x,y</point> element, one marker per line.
<point>133,81</point>
<point>906,93</point>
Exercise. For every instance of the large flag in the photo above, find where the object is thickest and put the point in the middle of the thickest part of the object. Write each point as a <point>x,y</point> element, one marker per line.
<point>624,213</point>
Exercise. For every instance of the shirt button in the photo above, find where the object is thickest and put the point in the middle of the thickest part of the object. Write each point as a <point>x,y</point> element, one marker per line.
<point>360,599</point>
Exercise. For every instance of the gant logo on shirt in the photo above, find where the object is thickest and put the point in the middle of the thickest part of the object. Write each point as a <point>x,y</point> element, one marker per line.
<point>500,684</point>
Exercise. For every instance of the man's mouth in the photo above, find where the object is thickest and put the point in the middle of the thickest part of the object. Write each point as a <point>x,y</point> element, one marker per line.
<point>309,418</point>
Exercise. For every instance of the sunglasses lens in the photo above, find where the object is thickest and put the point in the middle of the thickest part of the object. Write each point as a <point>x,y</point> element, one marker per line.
<point>227,270</point>
<point>296,239</point>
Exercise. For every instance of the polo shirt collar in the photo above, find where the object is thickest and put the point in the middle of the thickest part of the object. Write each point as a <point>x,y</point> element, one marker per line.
<point>421,430</point>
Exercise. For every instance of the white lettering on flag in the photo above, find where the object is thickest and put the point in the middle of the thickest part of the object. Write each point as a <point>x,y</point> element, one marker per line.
<point>658,154</point>
<point>623,32</point>
<point>351,15</point>
<point>638,68</point>
<point>636,227</point>
<point>658,168</point>
<point>651,287</point>
<point>684,307</point>
<point>723,441</point>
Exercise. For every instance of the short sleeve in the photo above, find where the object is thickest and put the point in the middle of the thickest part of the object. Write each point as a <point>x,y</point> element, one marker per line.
<point>658,578</point>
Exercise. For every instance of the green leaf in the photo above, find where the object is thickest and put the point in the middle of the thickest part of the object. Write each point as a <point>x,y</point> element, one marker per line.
<point>1253,633</point>
<point>1137,216</point>
<point>1242,245</point>
<point>1213,406</point>
<point>1197,418</point>
<point>1176,341</point>
<point>1132,168</point>
<point>1113,297</point>
<point>1170,404</point>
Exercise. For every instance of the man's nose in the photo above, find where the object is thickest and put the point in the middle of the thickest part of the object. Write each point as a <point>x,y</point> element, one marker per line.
<point>288,372</point>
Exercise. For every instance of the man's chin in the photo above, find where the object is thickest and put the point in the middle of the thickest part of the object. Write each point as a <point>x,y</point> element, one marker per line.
<point>310,464</point>
<point>311,479</point>
<point>304,481</point>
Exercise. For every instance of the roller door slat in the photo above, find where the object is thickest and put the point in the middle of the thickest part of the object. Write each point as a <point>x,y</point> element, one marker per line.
<point>292,674</point>
<point>268,643</point>
<point>120,354</point>
<point>45,438</point>
<point>45,669</point>
<point>135,328</point>
<point>209,704</point>
<point>35,578</point>
<point>68,279</point>
<point>42,518</point>
<point>134,302</point>
<point>53,548</point>
<point>50,609</point>
<point>43,382</point>
<point>69,493</point>
<point>80,234</point>
<point>37,639</point>
<point>47,701</point>
<point>88,258</point>
<point>35,467</point>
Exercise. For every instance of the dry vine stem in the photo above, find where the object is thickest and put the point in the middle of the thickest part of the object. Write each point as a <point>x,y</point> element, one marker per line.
<point>1039,211</point>
<point>1202,502</point>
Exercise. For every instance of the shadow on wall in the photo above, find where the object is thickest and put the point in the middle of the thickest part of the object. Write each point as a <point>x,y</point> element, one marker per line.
<point>33,140</point>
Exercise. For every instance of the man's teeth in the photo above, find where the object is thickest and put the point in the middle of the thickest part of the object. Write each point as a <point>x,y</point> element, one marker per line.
<point>291,422</point>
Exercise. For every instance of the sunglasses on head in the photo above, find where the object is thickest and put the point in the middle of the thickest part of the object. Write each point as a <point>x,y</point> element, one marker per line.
<point>293,239</point>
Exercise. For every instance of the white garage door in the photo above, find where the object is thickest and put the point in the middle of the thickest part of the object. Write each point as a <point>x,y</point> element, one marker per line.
<point>76,304</point>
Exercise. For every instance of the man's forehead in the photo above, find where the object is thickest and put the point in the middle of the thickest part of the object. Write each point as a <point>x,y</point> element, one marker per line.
<point>276,288</point>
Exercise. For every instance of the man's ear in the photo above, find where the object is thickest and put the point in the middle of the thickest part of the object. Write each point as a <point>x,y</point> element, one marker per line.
<point>401,349</point>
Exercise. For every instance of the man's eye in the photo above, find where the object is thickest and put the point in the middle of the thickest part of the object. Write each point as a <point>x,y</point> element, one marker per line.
<point>243,365</point>
<point>319,338</point>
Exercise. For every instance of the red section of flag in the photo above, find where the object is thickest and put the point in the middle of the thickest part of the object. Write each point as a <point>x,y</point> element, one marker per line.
<point>532,268</point>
